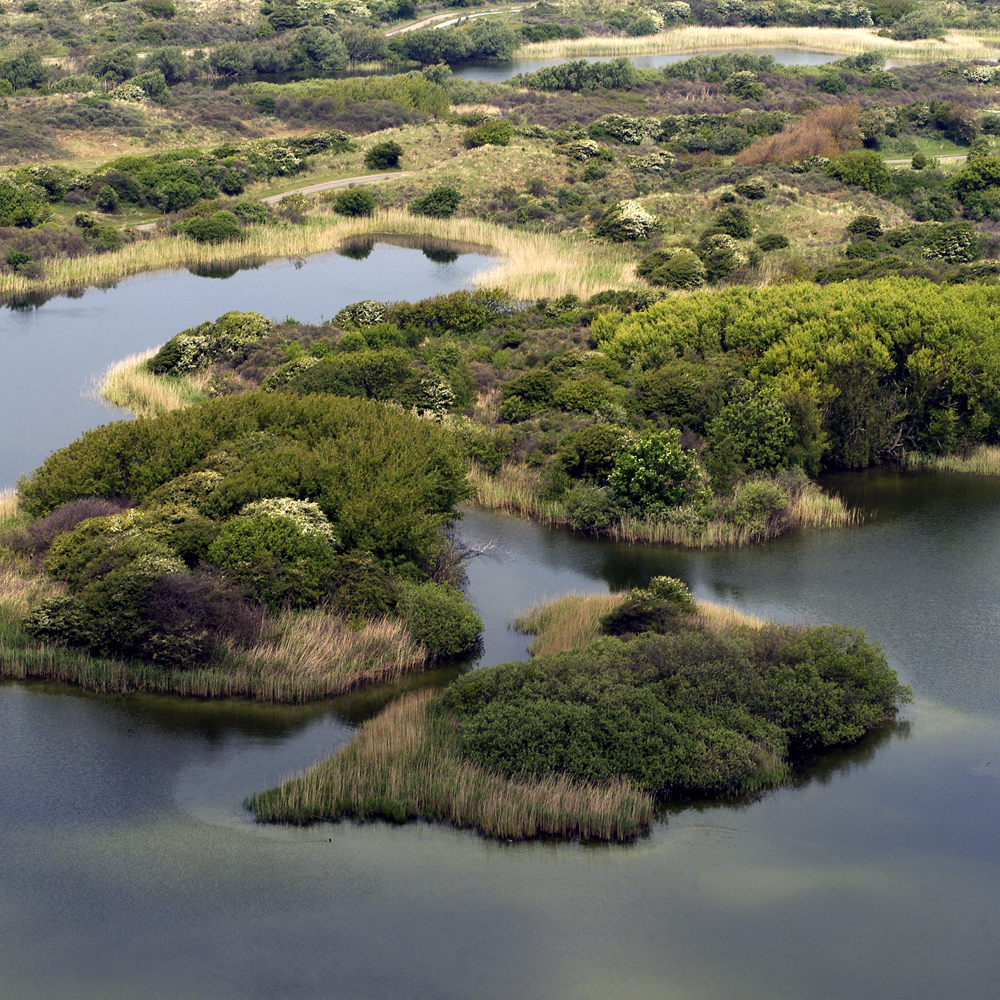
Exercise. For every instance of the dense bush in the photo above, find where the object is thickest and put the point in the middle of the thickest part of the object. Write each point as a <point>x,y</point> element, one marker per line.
<point>492,133</point>
<point>439,617</point>
<point>354,202</point>
<point>690,711</point>
<point>383,155</point>
<point>654,473</point>
<point>439,203</point>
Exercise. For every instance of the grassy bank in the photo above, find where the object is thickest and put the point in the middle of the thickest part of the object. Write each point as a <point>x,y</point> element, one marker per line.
<point>129,385</point>
<point>515,490</point>
<point>981,461</point>
<point>529,265</point>
<point>402,765</point>
<point>574,620</point>
<point>699,38</point>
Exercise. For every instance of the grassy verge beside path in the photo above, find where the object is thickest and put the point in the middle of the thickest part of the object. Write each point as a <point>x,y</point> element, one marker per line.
<point>699,38</point>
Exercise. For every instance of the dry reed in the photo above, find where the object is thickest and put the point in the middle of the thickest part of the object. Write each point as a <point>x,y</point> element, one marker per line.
<point>9,508</point>
<point>701,38</point>
<point>981,461</point>
<point>568,622</point>
<point>530,265</point>
<point>128,384</point>
<point>575,620</point>
<point>402,765</point>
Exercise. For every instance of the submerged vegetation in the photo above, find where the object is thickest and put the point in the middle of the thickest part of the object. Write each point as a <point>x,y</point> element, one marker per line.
<point>583,742</point>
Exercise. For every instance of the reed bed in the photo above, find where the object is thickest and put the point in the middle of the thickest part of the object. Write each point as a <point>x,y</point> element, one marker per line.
<point>128,384</point>
<point>9,508</point>
<point>699,38</point>
<point>401,765</point>
<point>273,671</point>
<point>319,647</point>
<point>530,265</point>
<point>514,490</point>
<point>568,622</point>
<point>719,618</point>
<point>981,461</point>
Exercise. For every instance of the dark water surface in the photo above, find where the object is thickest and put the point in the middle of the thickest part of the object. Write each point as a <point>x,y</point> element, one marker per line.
<point>53,354</point>
<point>128,869</point>
<point>495,72</point>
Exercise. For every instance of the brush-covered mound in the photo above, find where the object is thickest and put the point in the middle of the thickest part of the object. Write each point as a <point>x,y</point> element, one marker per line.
<point>245,532</point>
<point>691,711</point>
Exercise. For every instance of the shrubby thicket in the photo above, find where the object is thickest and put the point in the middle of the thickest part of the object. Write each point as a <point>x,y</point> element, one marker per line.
<point>173,535</point>
<point>675,707</point>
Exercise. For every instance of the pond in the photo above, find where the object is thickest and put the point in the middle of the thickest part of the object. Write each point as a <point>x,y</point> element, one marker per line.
<point>495,72</point>
<point>128,868</point>
<point>55,352</point>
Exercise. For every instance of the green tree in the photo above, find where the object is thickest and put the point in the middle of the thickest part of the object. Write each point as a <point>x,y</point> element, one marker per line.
<point>655,473</point>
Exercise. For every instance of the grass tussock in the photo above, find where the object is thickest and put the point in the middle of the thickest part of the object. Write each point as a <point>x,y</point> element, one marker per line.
<point>696,38</point>
<point>401,765</point>
<point>566,623</point>
<point>530,265</point>
<point>515,490</point>
<point>981,461</point>
<point>129,385</point>
<point>321,648</point>
<point>575,620</point>
<point>9,508</point>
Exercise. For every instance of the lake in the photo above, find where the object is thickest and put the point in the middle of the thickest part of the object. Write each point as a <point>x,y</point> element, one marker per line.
<point>495,72</point>
<point>55,353</point>
<point>128,867</point>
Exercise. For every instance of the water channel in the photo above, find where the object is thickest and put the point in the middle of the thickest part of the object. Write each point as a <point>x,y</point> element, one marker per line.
<point>129,869</point>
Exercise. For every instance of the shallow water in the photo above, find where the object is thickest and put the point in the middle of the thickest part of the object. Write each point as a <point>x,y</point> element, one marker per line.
<point>128,868</point>
<point>53,354</point>
<point>495,72</point>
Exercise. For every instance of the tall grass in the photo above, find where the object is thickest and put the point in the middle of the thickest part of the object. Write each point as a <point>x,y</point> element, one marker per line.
<point>981,461</point>
<point>9,508</point>
<point>402,765</point>
<point>308,657</point>
<point>529,265</point>
<point>698,38</point>
<point>568,622</point>
<point>575,620</point>
<point>515,490</point>
<point>130,385</point>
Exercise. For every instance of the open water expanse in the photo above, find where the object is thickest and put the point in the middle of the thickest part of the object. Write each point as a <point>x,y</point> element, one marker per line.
<point>495,72</point>
<point>128,868</point>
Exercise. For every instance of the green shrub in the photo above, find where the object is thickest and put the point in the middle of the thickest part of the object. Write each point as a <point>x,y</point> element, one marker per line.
<point>772,241</point>
<point>865,227</point>
<point>675,267</point>
<point>735,221</point>
<point>379,374</point>
<point>383,155</point>
<point>745,86</point>
<point>252,213</point>
<point>655,473</point>
<point>689,711</point>
<point>219,227</point>
<point>591,508</point>
<point>761,507</point>
<point>439,617</point>
<point>492,133</point>
<point>862,168</point>
<point>439,203</point>
<point>354,202</point>
<point>831,83</point>
<point>753,189</point>
<point>590,453</point>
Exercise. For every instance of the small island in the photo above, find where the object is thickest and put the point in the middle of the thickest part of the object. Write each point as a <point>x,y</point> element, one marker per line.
<point>667,699</point>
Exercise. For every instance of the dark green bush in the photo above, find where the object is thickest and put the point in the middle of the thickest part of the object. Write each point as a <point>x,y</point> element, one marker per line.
<point>439,617</point>
<point>691,711</point>
<point>492,133</point>
<point>772,241</point>
<point>354,202</point>
<point>439,203</point>
<point>383,155</point>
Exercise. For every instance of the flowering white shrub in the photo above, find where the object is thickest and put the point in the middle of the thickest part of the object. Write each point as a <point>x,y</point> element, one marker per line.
<point>365,313</point>
<point>626,221</point>
<point>307,516</point>
<point>128,92</point>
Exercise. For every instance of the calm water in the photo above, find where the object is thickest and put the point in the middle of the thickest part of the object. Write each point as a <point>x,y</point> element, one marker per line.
<point>129,869</point>
<point>53,354</point>
<point>495,72</point>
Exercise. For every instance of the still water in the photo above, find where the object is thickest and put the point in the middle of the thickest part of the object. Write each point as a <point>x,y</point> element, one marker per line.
<point>495,72</point>
<point>53,353</point>
<point>128,867</point>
